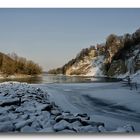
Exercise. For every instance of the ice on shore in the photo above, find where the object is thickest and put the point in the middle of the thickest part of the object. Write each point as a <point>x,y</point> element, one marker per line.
<point>26,108</point>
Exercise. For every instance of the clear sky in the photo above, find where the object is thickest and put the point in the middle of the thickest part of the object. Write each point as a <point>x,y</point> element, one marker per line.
<point>51,37</point>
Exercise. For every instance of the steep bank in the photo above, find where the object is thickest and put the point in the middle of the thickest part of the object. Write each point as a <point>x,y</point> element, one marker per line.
<point>119,56</point>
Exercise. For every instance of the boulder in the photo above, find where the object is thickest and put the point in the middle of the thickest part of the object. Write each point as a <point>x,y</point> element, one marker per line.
<point>6,126</point>
<point>28,129</point>
<point>88,128</point>
<point>61,125</point>
<point>35,124</point>
<point>23,123</point>
<point>9,102</point>
<point>4,118</point>
<point>102,129</point>
<point>46,107</point>
<point>75,126</point>
<point>55,112</point>
<point>47,129</point>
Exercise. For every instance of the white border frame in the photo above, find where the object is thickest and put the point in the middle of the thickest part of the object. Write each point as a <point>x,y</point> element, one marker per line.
<point>69,3</point>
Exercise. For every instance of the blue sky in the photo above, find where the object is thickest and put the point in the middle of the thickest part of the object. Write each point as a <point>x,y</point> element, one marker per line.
<point>51,37</point>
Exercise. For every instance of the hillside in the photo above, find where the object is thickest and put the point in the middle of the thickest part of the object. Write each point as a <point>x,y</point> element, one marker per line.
<point>118,56</point>
<point>12,64</point>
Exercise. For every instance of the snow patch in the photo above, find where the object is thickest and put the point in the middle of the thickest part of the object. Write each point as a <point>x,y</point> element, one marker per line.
<point>96,66</point>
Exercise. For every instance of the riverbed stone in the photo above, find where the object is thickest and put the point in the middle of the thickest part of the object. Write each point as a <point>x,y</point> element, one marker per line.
<point>23,123</point>
<point>55,112</point>
<point>87,129</point>
<point>47,130</point>
<point>61,125</point>
<point>28,129</point>
<point>6,126</point>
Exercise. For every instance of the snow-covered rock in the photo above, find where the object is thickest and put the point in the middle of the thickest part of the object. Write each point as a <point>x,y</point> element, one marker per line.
<point>47,129</point>
<point>102,129</point>
<point>23,123</point>
<point>55,112</point>
<point>62,125</point>
<point>28,129</point>
<point>124,129</point>
<point>4,118</point>
<point>87,129</point>
<point>6,126</point>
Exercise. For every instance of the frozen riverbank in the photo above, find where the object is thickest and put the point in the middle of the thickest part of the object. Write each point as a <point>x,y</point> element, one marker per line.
<point>27,108</point>
<point>15,76</point>
<point>112,103</point>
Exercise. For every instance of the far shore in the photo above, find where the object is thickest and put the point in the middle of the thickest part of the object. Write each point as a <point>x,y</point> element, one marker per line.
<point>88,76</point>
<point>18,76</point>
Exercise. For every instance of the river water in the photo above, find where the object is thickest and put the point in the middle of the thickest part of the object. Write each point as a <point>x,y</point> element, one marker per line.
<point>45,78</point>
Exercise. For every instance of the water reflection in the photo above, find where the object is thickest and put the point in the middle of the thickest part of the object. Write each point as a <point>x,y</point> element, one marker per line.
<point>75,79</point>
<point>45,78</point>
<point>31,80</point>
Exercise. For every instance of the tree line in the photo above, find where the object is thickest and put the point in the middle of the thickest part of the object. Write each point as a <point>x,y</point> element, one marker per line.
<point>13,64</point>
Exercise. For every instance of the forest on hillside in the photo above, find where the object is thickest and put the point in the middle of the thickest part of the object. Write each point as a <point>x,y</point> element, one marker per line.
<point>13,64</point>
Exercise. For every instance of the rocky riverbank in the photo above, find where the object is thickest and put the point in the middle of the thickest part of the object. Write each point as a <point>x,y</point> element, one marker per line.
<point>26,108</point>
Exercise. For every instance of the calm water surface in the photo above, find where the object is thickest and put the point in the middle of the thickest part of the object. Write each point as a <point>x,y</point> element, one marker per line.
<point>45,78</point>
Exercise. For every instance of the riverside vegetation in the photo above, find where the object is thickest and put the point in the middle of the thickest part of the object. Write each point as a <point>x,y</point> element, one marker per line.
<point>12,64</point>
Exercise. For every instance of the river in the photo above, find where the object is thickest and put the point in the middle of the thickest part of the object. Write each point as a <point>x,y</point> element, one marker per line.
<point>46,78</point>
